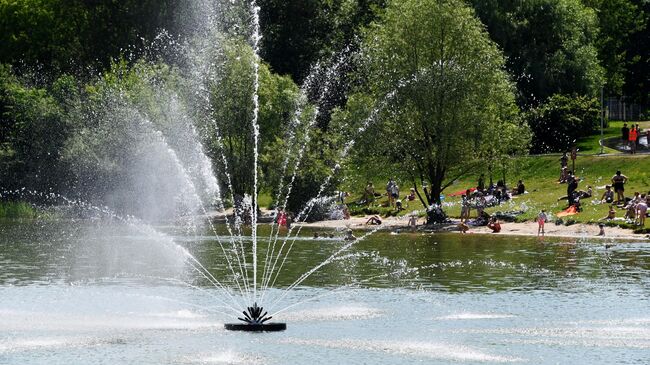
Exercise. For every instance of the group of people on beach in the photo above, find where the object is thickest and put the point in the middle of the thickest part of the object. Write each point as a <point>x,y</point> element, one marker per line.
<point>392,192</point>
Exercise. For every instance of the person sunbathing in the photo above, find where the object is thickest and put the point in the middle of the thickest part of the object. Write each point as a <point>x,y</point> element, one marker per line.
<point>374,220</point>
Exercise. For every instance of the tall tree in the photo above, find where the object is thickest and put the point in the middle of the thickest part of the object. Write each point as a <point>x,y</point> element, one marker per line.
<point>440,94</point>
<point>620,22</point>
<point>550,45</point>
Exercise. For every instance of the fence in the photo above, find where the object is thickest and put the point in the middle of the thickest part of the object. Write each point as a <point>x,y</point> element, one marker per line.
<point>620,109</point>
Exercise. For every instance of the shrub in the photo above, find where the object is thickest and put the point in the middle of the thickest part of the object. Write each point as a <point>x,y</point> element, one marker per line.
<point>559,122</point>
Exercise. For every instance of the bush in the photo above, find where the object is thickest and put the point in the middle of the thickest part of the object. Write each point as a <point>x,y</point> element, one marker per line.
<point>558,123</point>
<point>17,210</point>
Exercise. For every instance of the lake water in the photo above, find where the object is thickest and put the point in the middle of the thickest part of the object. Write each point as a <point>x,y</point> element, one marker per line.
<point>92,293</point>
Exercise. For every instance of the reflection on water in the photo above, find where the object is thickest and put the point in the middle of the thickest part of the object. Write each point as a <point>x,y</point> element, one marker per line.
<point>71,293</point>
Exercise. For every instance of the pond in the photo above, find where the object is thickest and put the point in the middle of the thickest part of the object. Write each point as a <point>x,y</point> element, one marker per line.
<point>79,292</point>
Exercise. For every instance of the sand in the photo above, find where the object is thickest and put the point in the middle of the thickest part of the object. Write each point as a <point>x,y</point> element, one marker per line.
<point>517,229</point>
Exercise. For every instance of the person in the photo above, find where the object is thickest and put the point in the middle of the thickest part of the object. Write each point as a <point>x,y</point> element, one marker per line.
<point>602,229</point>
<point>374,220</point>
<point>349,236</point>
<point>520,188</point>
<point>346,212</point>
<point>630,211</point>
<point>411,196</point>
<point>413,222</point>
<point>586,194</point>
<point>389,192</point>
<point>634,132</point>
<point>481,202</point>
<point>618,181</point>
<point>463,227</point>
<point>394,192</point>
<point>541,219</point>
<point>564,160</point>
<point>610,215</point>
<point>641,211</point>
<point>638,135</point>
<point>282,218</point>
<point>608,195</point>
<point>481,183</point>
<point>564,175</point>
<point>494,225</point>
<point>342,195</point>
<point>369,193</point>
<point>398,205</point>
<point>572,185</point>
<point>464,208</point>
<point>625,133</point>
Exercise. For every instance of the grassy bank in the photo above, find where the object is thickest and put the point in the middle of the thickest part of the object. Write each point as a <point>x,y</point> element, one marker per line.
<point>540,175</point>
<point>14,210</point>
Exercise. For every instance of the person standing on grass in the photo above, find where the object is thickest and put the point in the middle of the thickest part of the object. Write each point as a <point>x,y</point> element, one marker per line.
<point>389,192</point>
<point>369,193</point>
<point>541,219</point>
<point>618,181</point>
<point>625,133</point>
<point>641,210</point>
<point>638,135</point>
<point>572,186</point>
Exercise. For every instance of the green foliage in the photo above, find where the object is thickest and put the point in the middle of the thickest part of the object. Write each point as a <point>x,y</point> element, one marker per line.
<point>16,210</point>
<point>34,127</point>
<point>561,121</point>
<point>298,33</point>
<point>231,107</point>
<point>550,45</point>
<point>437,109</point>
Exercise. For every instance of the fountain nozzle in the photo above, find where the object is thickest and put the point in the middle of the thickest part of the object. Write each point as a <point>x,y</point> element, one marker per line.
<point>255,321</point>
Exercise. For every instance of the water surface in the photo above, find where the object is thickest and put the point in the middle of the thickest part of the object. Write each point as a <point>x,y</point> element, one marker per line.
<point>90,292</point>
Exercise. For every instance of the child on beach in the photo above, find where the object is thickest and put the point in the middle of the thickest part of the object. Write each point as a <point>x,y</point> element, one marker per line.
<point>494,225</point>
<point>602,229</point>
<point>413,222</point>
<point>541,219</point>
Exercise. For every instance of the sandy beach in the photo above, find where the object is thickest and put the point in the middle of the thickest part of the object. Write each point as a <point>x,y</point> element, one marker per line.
<point>518,229</point>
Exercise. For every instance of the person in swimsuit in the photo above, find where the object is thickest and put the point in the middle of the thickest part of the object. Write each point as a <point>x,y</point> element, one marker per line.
<point>608,195</point>
<point>618,181</point>
<point>494,225</point>
<point>641,211</point>
<point>541,219</point>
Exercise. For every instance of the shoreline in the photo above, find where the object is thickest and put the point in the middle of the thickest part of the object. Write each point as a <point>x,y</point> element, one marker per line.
<point>527,229</point>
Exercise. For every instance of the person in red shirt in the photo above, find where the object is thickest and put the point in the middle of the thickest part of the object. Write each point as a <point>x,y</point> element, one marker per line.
<point>634,132</point>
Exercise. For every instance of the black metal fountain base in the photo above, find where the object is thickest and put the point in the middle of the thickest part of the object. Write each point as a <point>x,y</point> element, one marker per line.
<point>266,327</point>
<point>254,321</point>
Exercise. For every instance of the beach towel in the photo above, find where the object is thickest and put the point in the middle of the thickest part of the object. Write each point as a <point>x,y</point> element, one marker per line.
<point>459,193</point>
<point>569,211</point>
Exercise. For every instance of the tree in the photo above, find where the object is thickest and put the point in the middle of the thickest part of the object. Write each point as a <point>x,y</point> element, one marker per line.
<point>437,86</point>
<point>620,21</point>
<point>231,95</point>
<point>298,33</point>
<point>550,45</point>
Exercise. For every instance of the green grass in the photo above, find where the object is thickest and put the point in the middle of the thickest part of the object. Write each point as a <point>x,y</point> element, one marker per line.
<point>14,210</point>
<point>540,174</point>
